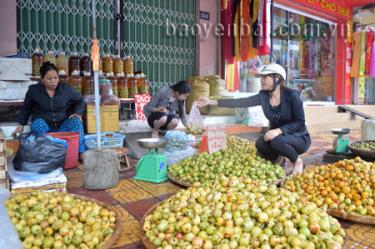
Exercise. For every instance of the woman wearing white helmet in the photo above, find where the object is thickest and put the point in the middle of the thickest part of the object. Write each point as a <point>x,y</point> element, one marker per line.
<point>288,136</point>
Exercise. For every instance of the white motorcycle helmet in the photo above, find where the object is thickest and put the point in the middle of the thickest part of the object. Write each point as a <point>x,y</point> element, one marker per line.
<point>272,69</point>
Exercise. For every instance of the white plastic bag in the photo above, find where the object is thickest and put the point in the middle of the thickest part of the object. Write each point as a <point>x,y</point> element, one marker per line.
<point>252,116</point>
<point>177,141</point>
<point>176,156</point>
<point>195,122</point>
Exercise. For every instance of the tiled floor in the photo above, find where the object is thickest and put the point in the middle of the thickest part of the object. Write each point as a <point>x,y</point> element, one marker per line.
<point>132,198</point>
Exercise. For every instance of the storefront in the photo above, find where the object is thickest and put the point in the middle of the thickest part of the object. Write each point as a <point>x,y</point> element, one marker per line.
<point>312,40</point>
<point>316,48</point>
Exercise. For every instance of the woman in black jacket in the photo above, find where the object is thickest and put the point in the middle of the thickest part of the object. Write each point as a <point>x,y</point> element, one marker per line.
<point>53,106</point>
<point>288,136</point>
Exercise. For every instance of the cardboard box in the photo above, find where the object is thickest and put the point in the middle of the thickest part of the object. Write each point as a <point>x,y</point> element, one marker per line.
<point>109,118</point>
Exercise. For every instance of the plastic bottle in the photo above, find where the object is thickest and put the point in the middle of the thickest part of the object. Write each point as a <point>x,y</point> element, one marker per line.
<point>128,65</point>
<point>50,56</point>
<point>75,81</point>
<point>87,84</point>
<point>74,64</point>
<point>118,65</point>
<point>132,86</point>
<point>37,61</point>
<point>107,64</point>
<point>85,64</point>
<point>142,84</point>
<point>111,77</point>
<point>122,86</point>
<point>62,63</point>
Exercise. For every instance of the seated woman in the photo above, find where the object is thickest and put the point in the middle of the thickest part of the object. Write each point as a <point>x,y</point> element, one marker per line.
<point>288,136</point>
<point>53,106</point>
<point>166,107</point>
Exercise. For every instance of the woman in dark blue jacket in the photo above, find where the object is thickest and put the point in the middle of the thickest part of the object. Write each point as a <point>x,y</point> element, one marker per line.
<point>288,136</point>
<point>53,106</point>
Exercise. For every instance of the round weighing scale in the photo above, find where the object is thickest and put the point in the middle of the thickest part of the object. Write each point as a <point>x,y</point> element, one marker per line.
<point>152,167</point>
<point>341,143</point>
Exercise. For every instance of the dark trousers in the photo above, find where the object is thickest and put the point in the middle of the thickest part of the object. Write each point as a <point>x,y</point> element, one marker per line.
<point>289,146</point>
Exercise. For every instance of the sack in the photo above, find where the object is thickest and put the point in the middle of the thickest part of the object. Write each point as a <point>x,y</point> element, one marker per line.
<point>195,124</point>
<point>39,153</point>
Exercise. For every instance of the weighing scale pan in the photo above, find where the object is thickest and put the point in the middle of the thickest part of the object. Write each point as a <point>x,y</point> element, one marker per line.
<point>152,143</point>
<point>340,131</point>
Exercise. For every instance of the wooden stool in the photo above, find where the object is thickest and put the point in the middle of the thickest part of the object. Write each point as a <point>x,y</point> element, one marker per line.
<point>122,154</point>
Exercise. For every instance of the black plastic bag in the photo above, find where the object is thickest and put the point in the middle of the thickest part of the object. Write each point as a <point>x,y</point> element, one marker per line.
<point>39,154</point>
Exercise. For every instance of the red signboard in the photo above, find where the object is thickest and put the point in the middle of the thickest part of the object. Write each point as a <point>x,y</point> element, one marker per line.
<point>140,101</point>
<point>217,138</point>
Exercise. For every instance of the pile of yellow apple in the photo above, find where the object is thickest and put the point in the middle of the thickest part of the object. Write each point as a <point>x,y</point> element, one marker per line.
<point>56,220</point>
<point>347,186</point>
<point>240,213</point>
<point>238,159</point>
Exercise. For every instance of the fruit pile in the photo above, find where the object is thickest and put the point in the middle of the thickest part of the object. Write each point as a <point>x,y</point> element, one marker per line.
<point>56,220</point>
<point>347,186</point>
<point>368,146</point>
<point>194,129</point>
<point>240,213</point>
<point>238,159</point>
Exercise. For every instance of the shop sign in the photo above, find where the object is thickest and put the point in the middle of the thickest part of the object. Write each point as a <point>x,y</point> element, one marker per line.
<point>140,101</point>
<point>331,6</point>
<point>217,138</point>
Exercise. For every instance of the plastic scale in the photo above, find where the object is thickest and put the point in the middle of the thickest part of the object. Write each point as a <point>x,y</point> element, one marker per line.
<point>152,167</point>
<point>341,143</point>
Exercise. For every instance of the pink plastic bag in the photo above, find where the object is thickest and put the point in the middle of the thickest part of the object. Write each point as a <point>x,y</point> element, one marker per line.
<point>195,124</point>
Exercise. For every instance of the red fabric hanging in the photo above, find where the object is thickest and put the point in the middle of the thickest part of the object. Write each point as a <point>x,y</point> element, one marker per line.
<point>226,20</point>
<point>245,35</point>
<point>264,47</point>
<point>369,41</point>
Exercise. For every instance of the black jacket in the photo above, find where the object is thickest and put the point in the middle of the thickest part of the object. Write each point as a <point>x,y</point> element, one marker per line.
<point>54,110</point>
<point>292,120</point>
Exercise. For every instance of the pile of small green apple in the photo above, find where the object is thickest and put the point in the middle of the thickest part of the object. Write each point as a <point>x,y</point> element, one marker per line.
<point>347,186</point>
<point>57,220</point>
<point>240,213</point>
<point>238,159</point>
<point>368,146</point>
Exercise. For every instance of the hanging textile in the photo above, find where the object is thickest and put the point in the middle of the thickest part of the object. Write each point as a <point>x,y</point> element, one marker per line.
<point>232,78</point>
<point>237,33</point>
<point>369,41</point>
<point>264,46</point>
<point>363,55</point>
<point>372,64</point>
<point>357,45</point>
<point>253,43</point>
<point>226,20</point>
<point>246,31</point>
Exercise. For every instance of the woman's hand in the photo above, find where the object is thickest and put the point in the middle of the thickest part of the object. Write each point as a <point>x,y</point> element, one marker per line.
<point>76,116</point>
<point>19,130</point>
<point>204,101</point>
<point>160,109</point>
<point>271,134</point>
